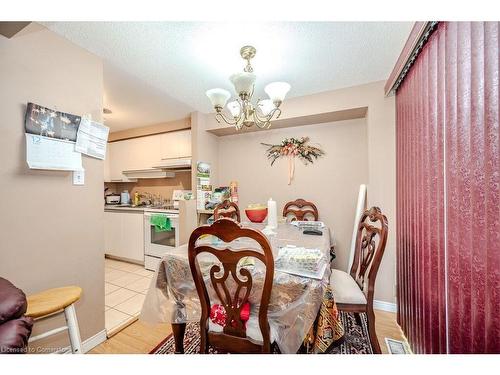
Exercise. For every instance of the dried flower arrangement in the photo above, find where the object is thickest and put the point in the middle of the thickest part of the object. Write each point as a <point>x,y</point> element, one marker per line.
<point>292,147</point>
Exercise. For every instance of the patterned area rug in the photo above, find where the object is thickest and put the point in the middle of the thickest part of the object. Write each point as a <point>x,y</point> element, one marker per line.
<point>356,340</point>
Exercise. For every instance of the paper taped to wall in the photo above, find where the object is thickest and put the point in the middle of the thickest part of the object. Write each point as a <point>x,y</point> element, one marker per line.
<point>52,153</point>
<point>92,138</point>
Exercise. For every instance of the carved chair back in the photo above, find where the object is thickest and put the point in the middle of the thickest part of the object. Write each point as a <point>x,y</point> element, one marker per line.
<point>370,245</point>
<point>232,292</point>
<point>299,209</point>
<point>227,209</point>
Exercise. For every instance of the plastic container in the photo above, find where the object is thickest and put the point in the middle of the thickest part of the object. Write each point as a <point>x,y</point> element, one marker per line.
<point>125,197</point>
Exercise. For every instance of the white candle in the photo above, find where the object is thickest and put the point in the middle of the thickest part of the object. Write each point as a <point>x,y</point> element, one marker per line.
<point>272,214</point>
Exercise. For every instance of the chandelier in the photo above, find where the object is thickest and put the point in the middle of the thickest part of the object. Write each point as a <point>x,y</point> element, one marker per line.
<point>241,111</point>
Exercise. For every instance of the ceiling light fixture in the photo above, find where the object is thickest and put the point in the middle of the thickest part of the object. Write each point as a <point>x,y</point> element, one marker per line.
<point>242,111</point>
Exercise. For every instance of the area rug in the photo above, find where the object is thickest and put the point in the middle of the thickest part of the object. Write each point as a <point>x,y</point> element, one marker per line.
<point>356,339</point>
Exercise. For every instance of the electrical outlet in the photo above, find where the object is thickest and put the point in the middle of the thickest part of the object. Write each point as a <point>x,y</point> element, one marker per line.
<point>79,177</point>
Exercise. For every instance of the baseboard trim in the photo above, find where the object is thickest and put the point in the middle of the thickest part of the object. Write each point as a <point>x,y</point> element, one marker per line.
<point>87,345</point>
<point>93,341</point>
<point>385,306</point>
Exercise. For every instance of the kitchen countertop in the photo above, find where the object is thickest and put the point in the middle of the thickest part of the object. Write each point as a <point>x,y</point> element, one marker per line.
<point>117,207</point>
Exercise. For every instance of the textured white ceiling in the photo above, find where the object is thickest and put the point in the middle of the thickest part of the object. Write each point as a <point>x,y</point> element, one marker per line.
<point>136,103</point>
<point>178,61</point>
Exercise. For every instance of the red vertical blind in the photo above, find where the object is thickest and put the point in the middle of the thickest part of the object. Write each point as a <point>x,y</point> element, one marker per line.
<point>448,205</point>
<point>472,175</point>
<point>420,201</point>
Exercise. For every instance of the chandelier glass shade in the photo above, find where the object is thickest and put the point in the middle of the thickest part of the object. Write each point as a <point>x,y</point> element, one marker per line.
<point>242,112</point>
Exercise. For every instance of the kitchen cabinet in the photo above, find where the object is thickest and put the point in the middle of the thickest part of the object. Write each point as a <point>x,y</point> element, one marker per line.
<point>112,232</point>
<point>117,160</point>
<point>133,154</point>
<point>107,163</point>
<point>175,144</point>
<point>124,235</point>
<point>145,152</point>
<point>140,153</point>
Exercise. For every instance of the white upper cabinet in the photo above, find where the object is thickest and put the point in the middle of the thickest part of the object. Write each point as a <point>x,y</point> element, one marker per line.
<point>115,173</point>
<point>184,143</point>
<point>118,159</point>
<point>176,144</point>
<point>141,153</point>
<point>145,152</point>
<point>107,166</point>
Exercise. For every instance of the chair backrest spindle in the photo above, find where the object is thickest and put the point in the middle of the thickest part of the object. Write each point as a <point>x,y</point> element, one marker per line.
<point>300,209</point>
<point>227,209</point>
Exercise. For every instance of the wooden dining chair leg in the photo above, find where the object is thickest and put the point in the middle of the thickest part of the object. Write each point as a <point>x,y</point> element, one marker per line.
<point>178,330</point>
<point>371,331</point>
<point>357,317</point>
<point>203,342</point>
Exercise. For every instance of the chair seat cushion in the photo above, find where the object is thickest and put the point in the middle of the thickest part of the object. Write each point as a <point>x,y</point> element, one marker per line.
<point>345,289</point>
<point>252,326</point>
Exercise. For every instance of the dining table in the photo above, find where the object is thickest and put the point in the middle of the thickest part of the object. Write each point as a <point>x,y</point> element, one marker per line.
<point>301,313</point>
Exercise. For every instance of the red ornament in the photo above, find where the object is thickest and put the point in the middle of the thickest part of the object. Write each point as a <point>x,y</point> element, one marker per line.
<point>218,314</point>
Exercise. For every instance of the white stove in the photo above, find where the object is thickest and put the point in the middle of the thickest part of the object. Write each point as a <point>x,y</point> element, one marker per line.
<point>157,243</point>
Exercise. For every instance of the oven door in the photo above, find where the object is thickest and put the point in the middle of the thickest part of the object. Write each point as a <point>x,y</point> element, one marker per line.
<point>158,243</point>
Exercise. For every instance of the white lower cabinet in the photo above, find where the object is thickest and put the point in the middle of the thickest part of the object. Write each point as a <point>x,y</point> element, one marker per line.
<point>124,235</point>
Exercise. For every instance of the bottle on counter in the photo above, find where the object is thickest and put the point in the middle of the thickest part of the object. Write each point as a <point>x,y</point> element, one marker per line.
<point>233,191</point>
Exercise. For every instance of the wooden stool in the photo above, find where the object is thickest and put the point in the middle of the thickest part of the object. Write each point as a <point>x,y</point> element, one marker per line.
<point>55,301</point>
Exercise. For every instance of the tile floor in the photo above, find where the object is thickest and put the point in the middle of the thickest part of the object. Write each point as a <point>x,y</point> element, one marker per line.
<point>125,289</point>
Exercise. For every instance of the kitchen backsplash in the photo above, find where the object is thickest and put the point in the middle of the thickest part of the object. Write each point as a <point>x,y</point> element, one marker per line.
<point>162,186</point>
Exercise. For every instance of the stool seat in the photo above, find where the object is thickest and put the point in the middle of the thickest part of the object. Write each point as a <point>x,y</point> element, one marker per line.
<point>52,300</point>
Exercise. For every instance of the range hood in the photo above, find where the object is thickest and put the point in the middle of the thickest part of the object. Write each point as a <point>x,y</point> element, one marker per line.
<point>148,173</point>
<point>174,164</point>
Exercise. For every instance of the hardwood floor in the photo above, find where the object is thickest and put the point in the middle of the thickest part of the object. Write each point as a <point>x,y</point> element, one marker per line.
<point>386,326</point>
<point>141,338</point>
<point>137,338</point>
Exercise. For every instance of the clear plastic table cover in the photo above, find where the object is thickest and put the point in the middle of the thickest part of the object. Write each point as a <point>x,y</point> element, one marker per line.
<point>295,300</point>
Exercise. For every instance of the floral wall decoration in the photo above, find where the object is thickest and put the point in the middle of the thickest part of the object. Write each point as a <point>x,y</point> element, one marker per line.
<point>291,148</point>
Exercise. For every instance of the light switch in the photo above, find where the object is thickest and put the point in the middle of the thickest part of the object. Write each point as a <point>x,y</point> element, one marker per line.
<point>79,177</point>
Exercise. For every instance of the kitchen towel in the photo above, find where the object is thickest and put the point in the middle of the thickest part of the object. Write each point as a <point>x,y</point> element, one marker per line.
<point>161,223</point>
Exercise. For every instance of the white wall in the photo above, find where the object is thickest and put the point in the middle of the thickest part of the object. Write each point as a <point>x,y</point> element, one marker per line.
<point>51,232</point>
<point>332,182</point>
<point>381,156</point>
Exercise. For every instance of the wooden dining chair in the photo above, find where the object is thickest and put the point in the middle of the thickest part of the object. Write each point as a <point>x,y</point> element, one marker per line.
<point>227,209</point>
<point>299,209</point>
<point>353,292</point>
<point>233,336</point>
